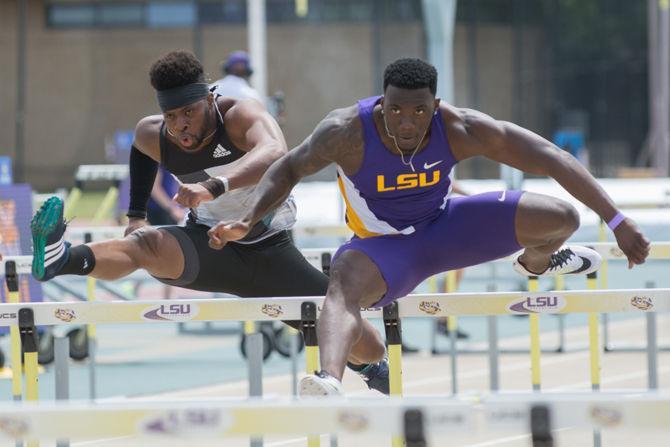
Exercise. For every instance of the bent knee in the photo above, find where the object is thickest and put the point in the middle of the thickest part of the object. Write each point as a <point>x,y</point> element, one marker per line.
<point>357,279</point>
<point>147,241</point>
<point>569,216</point>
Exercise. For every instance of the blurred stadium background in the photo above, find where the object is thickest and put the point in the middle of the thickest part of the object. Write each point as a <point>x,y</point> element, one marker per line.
<point>591,75</point>
<point>75,71</point>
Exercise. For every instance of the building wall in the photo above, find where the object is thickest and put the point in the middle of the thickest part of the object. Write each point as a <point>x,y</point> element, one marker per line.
<point>85,84</point>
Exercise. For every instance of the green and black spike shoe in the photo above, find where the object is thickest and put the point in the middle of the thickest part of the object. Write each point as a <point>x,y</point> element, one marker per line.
<point>50,250</point>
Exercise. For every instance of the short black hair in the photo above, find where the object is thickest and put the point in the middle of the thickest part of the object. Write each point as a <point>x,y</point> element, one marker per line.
<point>411,74</point>
<point>175,69</point>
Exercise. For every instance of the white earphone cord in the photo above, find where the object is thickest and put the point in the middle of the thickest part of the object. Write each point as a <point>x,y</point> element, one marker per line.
<point>402,156</point>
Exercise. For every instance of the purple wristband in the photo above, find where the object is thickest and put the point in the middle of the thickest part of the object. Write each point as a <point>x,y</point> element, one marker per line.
<point>616,220</point>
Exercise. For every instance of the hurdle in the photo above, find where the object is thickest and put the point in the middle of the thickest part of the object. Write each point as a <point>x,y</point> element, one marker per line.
<point>413,419</point>
<point>496,303</point>
<point>87,173</point>
<point>425,311</point>
<point>608,251</point>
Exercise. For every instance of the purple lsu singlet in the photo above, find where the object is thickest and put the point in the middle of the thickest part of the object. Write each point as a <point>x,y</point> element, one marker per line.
<point>387,196</point>
<point>403,220</point>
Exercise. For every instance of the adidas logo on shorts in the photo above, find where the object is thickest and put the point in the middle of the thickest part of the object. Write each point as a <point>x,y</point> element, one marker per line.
<point>220,151</point>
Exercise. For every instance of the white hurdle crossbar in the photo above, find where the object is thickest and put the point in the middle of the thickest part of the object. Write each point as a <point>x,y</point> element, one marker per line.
<point>365,416</point>
<point>288,308</point>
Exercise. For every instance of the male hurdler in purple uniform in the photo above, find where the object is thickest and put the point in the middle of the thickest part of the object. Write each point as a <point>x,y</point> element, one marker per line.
<point>394,154</point>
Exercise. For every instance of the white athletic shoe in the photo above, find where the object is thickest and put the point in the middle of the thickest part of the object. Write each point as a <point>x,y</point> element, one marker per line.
<point>319,385</point>
<point>567,260</point>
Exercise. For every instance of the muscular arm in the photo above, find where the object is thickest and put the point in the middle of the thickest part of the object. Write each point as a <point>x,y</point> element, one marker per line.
<point>327,144</point>
<point>315,153</point>
<point>515,146</point>
<point>252,129</point>
<point>478,134</point>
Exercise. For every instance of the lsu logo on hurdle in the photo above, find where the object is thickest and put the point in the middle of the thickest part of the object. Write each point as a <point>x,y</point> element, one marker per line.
<point>13,427</point>
<point>188,422</point>
<point>65,315</point>
<point>429,307</point>
<point>642,302</point>
<point>537,305</point>
<point>272,310</point>
<point>606,416</point>
<point>171,312</point>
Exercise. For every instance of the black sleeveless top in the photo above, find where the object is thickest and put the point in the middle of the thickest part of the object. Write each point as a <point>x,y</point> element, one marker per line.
<point>206,163</point>
<point>190,167</point>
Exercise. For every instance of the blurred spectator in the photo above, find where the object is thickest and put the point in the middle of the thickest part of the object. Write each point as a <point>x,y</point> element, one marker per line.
<point>235,82</point>
<point>573,141</point>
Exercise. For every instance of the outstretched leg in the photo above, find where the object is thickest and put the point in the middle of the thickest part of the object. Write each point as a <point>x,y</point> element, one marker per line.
<point>157,251</point>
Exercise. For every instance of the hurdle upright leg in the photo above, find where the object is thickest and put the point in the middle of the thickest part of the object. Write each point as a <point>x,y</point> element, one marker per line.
<point>394,342</point>
<point>72,200</point>
<point>652,346</point>
<point>107,203</point>
<point>91,333</point>
<point>12,281</point>
<point>493,351</point>
<point>254,350</point>
<point>594,349</point>
<point>62,374</point>
<point>308,326</point>
<point>559,284</point>
<point>29,343</point>
<point>602,237</point>
<point>534,339</point>
<point>452,328</point>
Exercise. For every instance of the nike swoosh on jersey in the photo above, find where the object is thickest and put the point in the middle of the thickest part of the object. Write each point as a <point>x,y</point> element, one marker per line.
<point>428,166</point>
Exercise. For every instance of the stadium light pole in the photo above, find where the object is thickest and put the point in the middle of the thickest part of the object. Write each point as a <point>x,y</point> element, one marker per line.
<point>439,17</point>
<point>257,35</point>
<point>659,85</point>
<point>663,157</point>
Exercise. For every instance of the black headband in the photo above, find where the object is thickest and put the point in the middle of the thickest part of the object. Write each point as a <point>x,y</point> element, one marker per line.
<point>177,97</point>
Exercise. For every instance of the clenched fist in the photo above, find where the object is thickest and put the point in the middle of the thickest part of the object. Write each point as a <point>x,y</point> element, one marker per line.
<point>191,194</point>
<point>223,232</point>
<point>632,242</point>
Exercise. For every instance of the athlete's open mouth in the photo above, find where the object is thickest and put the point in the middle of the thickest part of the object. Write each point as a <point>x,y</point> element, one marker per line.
<point>186,140</point>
